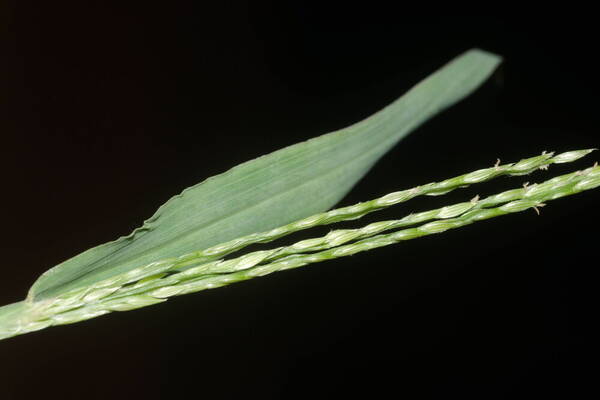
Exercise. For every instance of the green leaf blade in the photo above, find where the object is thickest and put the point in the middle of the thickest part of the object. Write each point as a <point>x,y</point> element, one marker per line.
<point>272,190</point>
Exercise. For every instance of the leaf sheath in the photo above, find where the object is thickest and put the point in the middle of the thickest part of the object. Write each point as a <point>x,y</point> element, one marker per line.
<point>272,190</point>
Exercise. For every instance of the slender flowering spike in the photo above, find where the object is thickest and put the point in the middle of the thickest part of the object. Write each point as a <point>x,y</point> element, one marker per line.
<point>141,276</point>
<point>85,305</point>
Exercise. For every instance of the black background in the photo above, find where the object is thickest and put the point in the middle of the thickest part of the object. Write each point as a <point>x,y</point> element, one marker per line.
<point>112,109</point>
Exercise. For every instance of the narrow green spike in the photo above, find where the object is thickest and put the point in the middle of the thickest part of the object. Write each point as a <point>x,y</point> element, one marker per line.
<point>22,317</point>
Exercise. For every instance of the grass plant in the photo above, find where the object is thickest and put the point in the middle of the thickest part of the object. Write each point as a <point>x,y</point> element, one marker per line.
<point>187,245</point>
